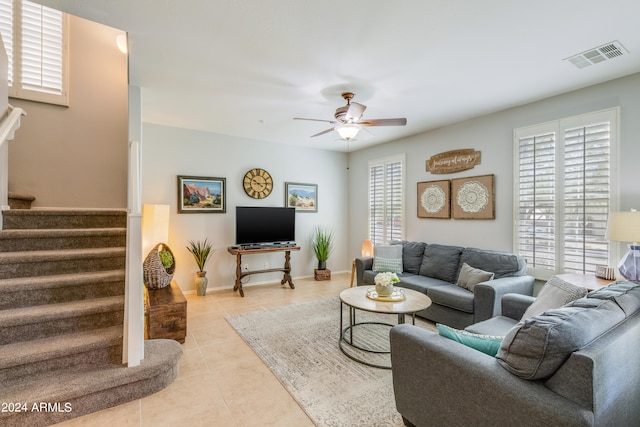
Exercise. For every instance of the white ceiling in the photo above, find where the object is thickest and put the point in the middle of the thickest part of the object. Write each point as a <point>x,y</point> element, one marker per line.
<point>247,67</point>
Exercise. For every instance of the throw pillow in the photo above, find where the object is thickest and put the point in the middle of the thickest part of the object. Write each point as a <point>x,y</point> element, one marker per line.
<point>554,294</point>
<point>488,344</point>
<point>441,262</point>
<point>387,258</point>
<point>469,277</point>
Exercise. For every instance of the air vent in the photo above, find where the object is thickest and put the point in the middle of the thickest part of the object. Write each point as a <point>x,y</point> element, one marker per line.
<point>598,54</point>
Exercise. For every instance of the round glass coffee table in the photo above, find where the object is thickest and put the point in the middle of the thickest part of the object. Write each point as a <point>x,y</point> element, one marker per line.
<point>356,299</point>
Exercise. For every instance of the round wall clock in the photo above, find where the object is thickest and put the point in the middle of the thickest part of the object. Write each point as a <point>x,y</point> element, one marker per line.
<point>257,183</point>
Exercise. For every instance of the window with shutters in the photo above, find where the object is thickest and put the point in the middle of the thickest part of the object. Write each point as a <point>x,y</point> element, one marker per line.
<point>35,39</point>
<point>386,199</point>
<point>564,189</point>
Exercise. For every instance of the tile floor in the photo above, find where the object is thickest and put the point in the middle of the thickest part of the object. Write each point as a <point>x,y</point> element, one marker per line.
<point>221,381</point>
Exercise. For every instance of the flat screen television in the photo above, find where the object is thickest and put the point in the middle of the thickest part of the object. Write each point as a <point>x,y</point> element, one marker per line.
<point>257,225</point>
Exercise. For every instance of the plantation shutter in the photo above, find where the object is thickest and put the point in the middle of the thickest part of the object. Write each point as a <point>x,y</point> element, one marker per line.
<point>537,201</point>
<point>564,192</point>
<point>35,41</point>
<point>386,200</point>
<point>586,196</point>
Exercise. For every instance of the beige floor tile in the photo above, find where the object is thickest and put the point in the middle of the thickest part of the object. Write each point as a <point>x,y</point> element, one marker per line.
<point>125,415</point>
<point>192,363</point>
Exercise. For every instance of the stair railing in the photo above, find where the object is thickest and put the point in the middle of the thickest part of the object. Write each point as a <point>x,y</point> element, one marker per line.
<point>133,340</point>
<point>10,123</point>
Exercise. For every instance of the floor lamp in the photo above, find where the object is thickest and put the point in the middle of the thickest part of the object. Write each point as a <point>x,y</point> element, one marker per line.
<point>365,251</point>
<point>625,227</point>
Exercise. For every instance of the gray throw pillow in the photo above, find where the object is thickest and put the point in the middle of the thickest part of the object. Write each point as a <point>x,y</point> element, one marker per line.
<point>387,258</point>
<point>469,277</point>
<point>554,294</point>
<point>441,262</point>
<point>412,253</point>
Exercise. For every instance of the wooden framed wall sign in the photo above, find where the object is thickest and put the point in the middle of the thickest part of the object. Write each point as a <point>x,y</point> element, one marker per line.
<point>473,197</point>
<point>453,161</point>
<point>434,199</point>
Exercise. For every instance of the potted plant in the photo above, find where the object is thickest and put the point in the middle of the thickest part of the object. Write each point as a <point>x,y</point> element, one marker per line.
<point>322,245</point>
<point>200,251</point>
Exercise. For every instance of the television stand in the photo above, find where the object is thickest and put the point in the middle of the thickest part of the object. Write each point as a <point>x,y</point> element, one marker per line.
<point>238,252</point>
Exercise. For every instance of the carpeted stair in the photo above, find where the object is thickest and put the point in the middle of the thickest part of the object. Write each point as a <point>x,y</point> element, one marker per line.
<point>62,283</point>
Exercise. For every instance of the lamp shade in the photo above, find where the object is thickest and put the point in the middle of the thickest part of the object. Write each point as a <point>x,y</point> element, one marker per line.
<point>623,227</point>
<point>155,226</point>
<point>348,131</point>
<point>367,248</point>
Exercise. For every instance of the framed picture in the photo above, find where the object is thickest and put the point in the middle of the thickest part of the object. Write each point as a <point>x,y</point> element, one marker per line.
<point>434,199</point>
<point>473,197</point>
<point>200,194</point>
<point>303,197</point>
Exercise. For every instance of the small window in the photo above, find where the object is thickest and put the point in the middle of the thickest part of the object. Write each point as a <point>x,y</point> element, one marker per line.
<point>35,39</point>
<point>386,199</point>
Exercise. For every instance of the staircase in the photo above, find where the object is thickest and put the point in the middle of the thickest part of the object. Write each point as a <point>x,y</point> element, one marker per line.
<point>62,285</point>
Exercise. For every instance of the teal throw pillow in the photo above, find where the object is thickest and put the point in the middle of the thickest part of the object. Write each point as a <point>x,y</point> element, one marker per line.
<point>488,344</point>
<point>387,258</point>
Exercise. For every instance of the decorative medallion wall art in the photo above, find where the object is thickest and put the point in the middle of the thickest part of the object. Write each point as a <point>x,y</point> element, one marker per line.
<point>473,197</point>
<point>434,199</point>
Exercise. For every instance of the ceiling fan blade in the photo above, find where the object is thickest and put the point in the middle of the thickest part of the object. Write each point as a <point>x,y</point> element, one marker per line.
<point>333,122</point>
<point>323,132</point>
<point>354,112</point>
<point>384,122</point>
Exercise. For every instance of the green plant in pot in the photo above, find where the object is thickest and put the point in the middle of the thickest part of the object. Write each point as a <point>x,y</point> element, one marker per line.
<point>200,251</point>
<point>322,245</point>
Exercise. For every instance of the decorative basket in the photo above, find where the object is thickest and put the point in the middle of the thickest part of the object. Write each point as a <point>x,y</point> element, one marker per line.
<point>154,274</point>
<point>322,274</point>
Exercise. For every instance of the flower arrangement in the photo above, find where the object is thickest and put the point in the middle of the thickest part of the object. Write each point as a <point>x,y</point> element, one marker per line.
<point>385,283</point>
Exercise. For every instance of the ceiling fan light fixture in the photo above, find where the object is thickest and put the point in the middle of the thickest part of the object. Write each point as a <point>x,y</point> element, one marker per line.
<point>348,131</point>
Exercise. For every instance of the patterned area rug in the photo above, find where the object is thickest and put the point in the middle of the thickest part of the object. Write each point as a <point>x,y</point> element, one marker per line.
<point>299,343</point>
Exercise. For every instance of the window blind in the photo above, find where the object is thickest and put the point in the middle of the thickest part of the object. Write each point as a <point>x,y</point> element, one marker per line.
<point>386,200</point>
<point>35,41</point>
<point>564,192</point>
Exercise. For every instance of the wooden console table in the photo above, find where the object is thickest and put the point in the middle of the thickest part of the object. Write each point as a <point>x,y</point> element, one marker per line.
<point>241,274</point>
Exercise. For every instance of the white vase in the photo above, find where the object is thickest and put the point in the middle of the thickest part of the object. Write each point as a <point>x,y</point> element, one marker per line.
<point>201,283</point>
<point>385,290</point>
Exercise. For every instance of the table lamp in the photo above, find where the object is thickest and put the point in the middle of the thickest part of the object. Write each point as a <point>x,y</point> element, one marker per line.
<point>625,227</point>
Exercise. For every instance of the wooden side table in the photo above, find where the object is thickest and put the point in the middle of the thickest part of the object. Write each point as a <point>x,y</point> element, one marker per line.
<point>165,313</point>
<point>589,281</point>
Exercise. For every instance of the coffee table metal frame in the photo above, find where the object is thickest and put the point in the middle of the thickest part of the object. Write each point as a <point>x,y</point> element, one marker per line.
<point>356,299</point>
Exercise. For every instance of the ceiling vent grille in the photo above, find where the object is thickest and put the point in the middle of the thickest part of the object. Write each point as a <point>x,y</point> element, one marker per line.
<point>598,54</point>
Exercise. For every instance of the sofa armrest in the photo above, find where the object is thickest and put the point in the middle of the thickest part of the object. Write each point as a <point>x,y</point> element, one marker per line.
<point>514,305</point>
<point>487,299</point>
<point>362,264</point>
<point>440,382</point>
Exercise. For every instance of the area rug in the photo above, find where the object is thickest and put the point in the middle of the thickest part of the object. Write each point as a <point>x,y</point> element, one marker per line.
<point>299,343</point>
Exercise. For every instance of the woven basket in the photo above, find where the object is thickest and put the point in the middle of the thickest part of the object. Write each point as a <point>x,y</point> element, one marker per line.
<point>154,274</point>
<point>322,274</point>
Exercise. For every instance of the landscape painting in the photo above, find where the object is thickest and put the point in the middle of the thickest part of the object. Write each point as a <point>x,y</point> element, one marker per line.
<point>303,197</point>
<point>197,194</point>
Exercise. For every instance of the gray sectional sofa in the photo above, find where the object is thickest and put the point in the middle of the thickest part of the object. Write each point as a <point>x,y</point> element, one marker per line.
<point>577,365</point>
<point>434,270</point>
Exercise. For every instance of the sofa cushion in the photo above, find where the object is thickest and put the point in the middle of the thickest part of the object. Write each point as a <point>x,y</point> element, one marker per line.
<point>536,347</point>
<point>488,344</point>
<point>387,258</point>
<point>452,296</point>
<point>554,294</point>
<point>441,262</point>
<point>469,277</point>
<point>503,264</point>
<point>419,283</point>
<point>626,294</point>
<point>412,253</point>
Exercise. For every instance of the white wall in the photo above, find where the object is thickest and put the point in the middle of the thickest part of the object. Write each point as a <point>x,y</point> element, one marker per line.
<point>77,156</point>
<point>493,136</point>
<point>168,152</point>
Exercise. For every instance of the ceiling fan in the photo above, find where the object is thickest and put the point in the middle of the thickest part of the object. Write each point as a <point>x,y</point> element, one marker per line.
<point>348,119</point>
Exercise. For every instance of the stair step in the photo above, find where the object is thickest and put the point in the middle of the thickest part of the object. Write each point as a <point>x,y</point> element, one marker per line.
<point>20,201</point>
<point>29,323</point>
<point>39,290</point>
<point>80,350</point>
<point>47,263</point>
<point>63,218</point>
<point>74,393</point>
<point>42,239</point>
